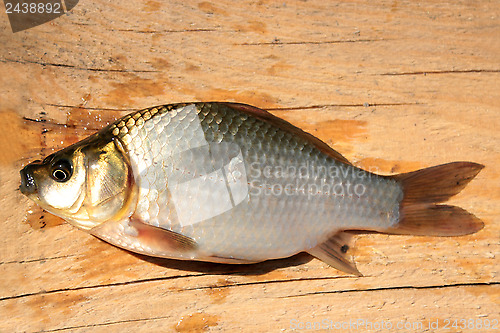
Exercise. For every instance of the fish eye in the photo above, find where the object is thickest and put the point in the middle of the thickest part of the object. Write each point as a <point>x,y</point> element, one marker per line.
<point>62,171</point>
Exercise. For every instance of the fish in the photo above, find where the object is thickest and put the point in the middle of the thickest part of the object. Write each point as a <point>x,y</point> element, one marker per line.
<point>232,183</point>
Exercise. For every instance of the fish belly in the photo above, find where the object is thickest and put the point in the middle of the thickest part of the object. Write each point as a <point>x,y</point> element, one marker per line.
<point>245,189</point>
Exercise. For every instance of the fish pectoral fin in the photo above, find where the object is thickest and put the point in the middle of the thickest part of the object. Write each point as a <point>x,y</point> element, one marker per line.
<point>161,240</point>
<point>334,253</point>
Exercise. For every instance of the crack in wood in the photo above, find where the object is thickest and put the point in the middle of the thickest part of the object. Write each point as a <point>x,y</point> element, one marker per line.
<point>45,122</point>
<point>125,283</point>
<point>278,42</point>
<point>104,324</point>
<point>76,67</point>
<point>89,108</point>
<point>242,284</point>
<point>453,285</point>
<point>459,71</point>
<point>36,260</point>
<point>157,279</point>
<point>321,106</point>
<point>308,107</point>
<point>51,123</point>
<point>37,120</point>
<point>166,31</point>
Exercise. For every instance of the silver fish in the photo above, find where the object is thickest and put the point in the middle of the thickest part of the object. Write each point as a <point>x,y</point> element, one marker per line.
<point>231,183</point>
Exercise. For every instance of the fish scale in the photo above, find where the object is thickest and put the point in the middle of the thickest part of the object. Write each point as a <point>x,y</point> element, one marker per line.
<point>261,226</point>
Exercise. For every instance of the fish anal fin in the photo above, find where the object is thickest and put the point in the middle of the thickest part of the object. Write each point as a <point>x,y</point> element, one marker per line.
<point>160,240</point>
<point>334,252</point>
<point>285,125</point>
<point>435,220</point>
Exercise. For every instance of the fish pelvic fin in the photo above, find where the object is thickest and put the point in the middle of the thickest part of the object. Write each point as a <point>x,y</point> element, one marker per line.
<point>334,252</point>
<point>423,189</point>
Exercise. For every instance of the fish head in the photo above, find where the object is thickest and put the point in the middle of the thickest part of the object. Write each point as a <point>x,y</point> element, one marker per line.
<point>87,184</point>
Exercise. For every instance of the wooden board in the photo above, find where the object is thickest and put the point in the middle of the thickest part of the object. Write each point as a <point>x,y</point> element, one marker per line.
<point>392,85</point>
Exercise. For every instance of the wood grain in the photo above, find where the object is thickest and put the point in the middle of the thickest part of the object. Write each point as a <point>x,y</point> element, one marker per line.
<point>392,85</point>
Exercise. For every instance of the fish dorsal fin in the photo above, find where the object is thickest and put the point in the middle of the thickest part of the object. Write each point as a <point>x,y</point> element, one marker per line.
<point>285,125</point>
<point>334,253</point>
<point>161,240</point>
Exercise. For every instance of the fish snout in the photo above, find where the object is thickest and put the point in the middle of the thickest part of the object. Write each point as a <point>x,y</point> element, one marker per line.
<point>28,184</point>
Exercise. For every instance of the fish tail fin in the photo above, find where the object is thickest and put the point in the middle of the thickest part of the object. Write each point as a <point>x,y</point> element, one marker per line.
<point>423,189</point>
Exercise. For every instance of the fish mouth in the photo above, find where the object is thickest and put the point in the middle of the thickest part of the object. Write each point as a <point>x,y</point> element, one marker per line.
<point>28,184</point>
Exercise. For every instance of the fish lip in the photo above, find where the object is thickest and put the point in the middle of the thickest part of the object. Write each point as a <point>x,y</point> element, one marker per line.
<point>28,185</point>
